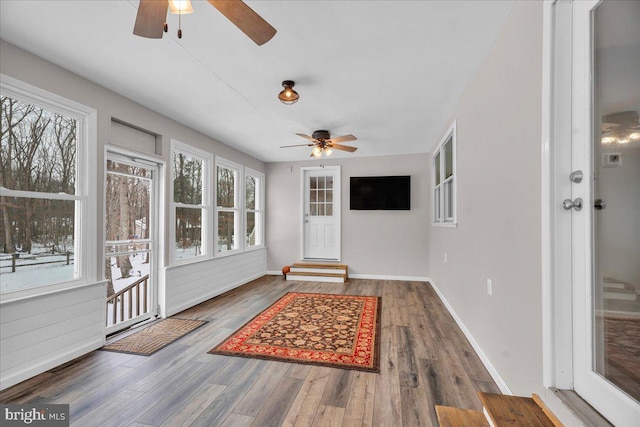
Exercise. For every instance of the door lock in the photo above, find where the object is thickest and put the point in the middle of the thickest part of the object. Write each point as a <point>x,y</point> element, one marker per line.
<point>599,204</point>
<point>569,204</point>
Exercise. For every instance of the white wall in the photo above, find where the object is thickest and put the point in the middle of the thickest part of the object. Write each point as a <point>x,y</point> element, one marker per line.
<point>374,243</point>
<point>73,330</point>
<point>499,208</point>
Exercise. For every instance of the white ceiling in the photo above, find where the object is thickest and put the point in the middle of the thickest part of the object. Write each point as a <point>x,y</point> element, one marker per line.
<point>389,72</point>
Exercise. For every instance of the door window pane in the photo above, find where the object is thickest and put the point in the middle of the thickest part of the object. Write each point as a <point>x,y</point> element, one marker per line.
<point>616,195</point>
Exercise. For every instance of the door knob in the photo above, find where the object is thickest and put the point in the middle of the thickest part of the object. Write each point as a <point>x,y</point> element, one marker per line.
<point>599,204</point>
<point>569,204</point>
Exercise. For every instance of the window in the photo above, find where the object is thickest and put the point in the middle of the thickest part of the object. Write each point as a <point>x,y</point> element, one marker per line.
<point>254,208</point>
<point>227,203</point>
<point>444,180</point>
<point>190,201</point>
<point>45,208</point>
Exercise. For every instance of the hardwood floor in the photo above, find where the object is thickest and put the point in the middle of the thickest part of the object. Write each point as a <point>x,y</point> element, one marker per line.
<point>425,361</point>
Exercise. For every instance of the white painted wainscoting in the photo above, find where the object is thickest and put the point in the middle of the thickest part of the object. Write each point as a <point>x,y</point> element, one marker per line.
<point>184,286</point>
<point>41,332</point>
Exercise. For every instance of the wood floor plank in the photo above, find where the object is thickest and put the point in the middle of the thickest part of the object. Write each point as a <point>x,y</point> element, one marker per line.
<point>425,360</point>
<point>219,409</point>
<point>304,407</point>
<point>329,416</point>
<point>98,416</point>
<point>359,410</point>
<point>276,407</point>
<point>337,391</point>
<point>236,420</point>
<point>262,389</point>
<point>194,407</point>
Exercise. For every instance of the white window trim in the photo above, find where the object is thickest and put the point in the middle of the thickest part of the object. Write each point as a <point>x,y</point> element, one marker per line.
<point>238,209</point>
<point>206,208</point>
<point>259,197</point>
<point>451,133</point>
<point>86,183</point>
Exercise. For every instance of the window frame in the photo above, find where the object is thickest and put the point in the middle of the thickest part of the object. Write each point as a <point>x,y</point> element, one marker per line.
<point>86,194</point>
<point>439,194</point>
<point>238,208</point>
<point>259,208</point>
<point>178,147</point>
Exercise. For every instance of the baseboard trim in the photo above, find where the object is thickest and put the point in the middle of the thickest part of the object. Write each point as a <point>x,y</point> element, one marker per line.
<point>502,385</point>
<point>370,276</point>
<point>273,273</point>
<point>385,277</point>
<point>32,371</point>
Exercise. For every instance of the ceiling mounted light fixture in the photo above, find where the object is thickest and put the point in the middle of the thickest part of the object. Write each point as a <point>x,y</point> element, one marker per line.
<point>179,7</point>
<point>288,95</point>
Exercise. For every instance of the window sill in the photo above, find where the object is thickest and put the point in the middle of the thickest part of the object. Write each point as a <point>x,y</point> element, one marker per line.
<point>445,224</point>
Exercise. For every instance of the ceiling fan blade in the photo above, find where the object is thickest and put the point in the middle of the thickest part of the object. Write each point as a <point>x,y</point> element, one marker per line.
<point>307,137</point>
<point>344,138</point>
<point>246,19</point>
<point>152,14</point>
<point>343,147</point>
<point>298,145</point>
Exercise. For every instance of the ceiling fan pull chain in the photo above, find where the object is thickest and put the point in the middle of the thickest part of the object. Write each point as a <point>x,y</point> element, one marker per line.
<point>180,25</point>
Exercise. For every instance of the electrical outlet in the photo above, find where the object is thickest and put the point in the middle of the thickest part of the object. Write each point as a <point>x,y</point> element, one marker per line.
<point>489,287</point>
<point>445,257</point>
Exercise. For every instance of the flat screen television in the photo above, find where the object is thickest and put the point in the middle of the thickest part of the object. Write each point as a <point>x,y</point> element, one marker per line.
<point>380,193</point>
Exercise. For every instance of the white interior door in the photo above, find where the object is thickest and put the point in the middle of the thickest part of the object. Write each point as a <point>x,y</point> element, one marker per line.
<point>605,237</point>
<point>321,213</point>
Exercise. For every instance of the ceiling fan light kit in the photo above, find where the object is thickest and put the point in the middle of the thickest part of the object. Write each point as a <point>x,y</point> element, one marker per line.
<point>180,7</point>
<point>288,95</point>
<point>620,128</point>
<point>151,20</point>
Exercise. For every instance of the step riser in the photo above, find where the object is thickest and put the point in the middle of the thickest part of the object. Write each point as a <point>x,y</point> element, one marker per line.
<point>620,296</point>
<point>315,278</point>
<point>317,270</point>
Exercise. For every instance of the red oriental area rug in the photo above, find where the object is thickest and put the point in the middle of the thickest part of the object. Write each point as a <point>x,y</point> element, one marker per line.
<point>341,331</point>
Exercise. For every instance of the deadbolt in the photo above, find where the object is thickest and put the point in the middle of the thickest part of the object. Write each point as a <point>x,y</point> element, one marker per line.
<point>576,177</point>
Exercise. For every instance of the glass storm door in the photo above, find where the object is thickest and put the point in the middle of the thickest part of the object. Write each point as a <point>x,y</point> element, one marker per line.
<point>321,213</point>
<point>130,237</point>
<point>606,231</point>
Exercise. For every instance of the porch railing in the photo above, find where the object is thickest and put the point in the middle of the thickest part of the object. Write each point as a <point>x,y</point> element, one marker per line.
<point>123,301</point>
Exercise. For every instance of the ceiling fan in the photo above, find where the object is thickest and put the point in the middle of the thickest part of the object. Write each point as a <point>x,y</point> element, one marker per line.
<point>152,17</point>
<point>322,142</point>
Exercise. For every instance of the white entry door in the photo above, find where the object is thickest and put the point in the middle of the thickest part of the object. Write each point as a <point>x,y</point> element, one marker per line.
<point>131,191</point>
<point>605,207</point>
<point>321,213</point>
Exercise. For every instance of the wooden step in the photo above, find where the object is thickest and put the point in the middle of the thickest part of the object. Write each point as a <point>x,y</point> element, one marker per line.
<point>456,417</point>
<point>623,294</point>
<point>502,410</point>
<point>330,265</point>
<point>318,272</point>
